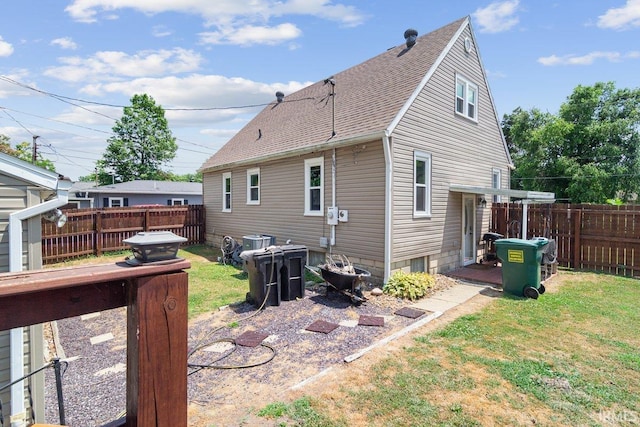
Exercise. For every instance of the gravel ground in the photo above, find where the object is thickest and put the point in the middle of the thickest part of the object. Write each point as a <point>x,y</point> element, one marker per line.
<point>94,385</point>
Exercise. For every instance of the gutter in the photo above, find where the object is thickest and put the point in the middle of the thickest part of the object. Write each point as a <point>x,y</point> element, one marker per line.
<point>18,412</point>
<point>358,139</point>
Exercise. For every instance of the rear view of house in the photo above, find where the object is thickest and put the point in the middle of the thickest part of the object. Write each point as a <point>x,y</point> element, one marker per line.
<point>371,162</point>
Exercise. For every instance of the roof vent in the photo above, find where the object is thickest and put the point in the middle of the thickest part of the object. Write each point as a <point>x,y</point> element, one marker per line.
<point>410,36</point>
<point>279,96</point>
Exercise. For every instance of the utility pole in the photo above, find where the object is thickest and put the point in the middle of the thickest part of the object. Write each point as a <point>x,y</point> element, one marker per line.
<point>34,150</point>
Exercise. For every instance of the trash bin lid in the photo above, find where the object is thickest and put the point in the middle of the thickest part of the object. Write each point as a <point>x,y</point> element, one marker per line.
<point>540,241</point>
<point>516,242</point>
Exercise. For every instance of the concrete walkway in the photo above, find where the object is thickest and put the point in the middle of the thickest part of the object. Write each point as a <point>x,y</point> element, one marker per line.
<point>447,299</point>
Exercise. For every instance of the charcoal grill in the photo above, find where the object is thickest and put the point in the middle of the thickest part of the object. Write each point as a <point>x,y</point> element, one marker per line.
<point>489,248</point>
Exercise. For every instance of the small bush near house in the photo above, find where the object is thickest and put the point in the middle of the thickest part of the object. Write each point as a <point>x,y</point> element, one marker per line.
<point>409,285</point>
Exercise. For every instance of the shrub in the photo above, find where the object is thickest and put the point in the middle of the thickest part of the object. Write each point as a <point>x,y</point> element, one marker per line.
<point>409,285</point>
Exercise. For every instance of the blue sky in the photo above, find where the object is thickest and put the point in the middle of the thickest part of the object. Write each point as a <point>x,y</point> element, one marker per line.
<point>196,58</point>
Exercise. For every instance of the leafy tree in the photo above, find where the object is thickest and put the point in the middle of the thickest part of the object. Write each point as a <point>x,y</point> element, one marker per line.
<point>23,151</point>
<point>588,153</point>
<point>142,143</point>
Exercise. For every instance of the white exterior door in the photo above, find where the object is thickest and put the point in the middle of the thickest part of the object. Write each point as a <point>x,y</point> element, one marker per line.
<point>468,229</point>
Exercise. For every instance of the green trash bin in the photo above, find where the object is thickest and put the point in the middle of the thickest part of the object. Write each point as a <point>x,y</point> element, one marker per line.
<point>521,265</point>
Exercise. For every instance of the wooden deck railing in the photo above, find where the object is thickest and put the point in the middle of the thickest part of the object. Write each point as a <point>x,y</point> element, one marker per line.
<point>94,231</point>
<point>156,301</point>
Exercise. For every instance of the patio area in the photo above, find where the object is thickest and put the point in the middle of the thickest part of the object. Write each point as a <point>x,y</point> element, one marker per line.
<point>492,274</point>
<point>480,273</point>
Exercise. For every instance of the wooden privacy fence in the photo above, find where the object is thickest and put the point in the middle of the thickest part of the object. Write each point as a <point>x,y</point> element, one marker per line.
<point>94,231</point>
<point>588,237</point>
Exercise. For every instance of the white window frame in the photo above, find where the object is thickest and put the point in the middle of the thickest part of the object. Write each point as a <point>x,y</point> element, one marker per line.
<point>120,200</point>
<point>227,176</point>
<point>250,173</point>
<point>308,164</point>
<point>496,182</point>
<point>467,87</point>
<point>426,158</point>
<point>177,202</point>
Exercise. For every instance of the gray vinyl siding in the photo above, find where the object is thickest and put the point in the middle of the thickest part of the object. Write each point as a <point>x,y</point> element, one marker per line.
<point>462,152</point>
<point>359,190</point>
<point>16,195</point>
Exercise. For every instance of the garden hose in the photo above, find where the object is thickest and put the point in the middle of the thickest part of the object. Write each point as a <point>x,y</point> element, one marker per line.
<point>198,367</point>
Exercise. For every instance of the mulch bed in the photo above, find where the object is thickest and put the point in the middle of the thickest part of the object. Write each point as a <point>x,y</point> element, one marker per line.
<point>276,342</point>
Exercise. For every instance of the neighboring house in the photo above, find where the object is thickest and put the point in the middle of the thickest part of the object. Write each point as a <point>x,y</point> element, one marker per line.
<point>26,193</point>
<point>79,195</point>
<point>145,192</point>
<point>391,162</point>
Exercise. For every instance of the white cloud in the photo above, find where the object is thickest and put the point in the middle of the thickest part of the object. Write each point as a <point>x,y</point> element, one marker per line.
<point>251,35</point>
<point>621,18</point>
<point>220,133</point>
<point>6,49</point>
<point>227,16</point>
<point>161,31</point>
<point>112,64</point>
<point>497,17</point>
<point>8,89</point>
<point>587,59</point>
<point>65,43</point>
<point>219,98</point>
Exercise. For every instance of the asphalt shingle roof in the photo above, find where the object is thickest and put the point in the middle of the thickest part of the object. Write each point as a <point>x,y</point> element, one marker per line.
<point>367,98</point>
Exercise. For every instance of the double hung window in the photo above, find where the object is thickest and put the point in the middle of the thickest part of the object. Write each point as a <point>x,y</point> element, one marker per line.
<point>253,186</point>
<point>314,186</point>
<point>422,184</point>
<point>226,192</point>
<point>466,98</point>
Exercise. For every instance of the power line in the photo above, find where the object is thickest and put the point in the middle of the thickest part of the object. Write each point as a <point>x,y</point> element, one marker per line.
<point>622,175</point>
<point>94,129</point>
<point>68,99</point>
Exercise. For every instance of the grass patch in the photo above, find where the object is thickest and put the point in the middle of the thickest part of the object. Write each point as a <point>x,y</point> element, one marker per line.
<point>299,412</point>
<point>569,358</point>
<point>211,284</point>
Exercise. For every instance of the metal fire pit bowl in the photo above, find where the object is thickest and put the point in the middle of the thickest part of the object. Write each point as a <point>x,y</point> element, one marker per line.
<point>153,246</point>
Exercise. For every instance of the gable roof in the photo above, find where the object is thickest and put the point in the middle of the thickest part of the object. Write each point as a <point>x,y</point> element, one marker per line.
<point>367,99</point>
<point>149,187</point>
<point>28,172</point>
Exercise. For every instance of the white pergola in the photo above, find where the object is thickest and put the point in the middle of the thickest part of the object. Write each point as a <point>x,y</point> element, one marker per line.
<point>525,197</point>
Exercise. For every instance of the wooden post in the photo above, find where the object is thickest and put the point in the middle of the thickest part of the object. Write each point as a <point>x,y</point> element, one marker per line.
<point>157,351</point>
<point>147,220</point>
<point>98,231</point>
<point>577,223</point>
<point>156,298</point>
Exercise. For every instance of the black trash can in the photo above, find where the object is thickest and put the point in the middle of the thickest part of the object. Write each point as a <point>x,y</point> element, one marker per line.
<point>264,268</point>
<point>294,259</point>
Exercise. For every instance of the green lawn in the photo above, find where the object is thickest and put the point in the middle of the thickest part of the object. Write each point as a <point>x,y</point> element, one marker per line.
<point>211,284</point>
<point>572,357</point>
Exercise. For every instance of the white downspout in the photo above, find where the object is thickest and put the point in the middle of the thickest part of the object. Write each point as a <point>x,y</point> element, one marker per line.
<point>332,240</point>
<point>388,203</point>
<point>18,413</point>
